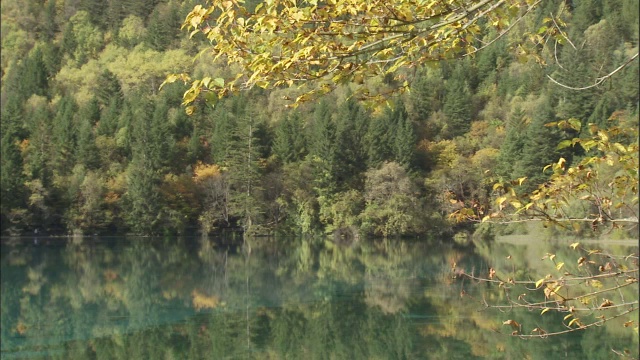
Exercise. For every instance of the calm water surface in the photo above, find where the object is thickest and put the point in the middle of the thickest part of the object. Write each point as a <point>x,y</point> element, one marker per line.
<point>173,298</point>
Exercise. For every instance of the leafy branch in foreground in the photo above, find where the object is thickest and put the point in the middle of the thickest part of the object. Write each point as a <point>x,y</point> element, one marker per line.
<point>292,43</point>
<point>601,189</point>
<point>593,289</point>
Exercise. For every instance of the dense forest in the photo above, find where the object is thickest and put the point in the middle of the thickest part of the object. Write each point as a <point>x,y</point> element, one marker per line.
<point>91,144</point>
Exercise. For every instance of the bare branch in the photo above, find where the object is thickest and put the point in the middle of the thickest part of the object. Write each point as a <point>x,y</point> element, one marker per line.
<point>599,80</point>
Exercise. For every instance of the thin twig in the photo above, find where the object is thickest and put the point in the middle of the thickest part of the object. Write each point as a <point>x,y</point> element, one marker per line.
<point>599,80</point>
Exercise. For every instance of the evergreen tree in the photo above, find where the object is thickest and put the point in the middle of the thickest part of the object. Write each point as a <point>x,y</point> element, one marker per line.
<point>124,132</point>
<point>352,123</point>
<point>49,24</point>
<point>12,178</point>
<point>87,151</point>
<point>110,98</point>
<point>39,154</point>
<point>578,104</point>
<point>289,143</point>
<point>160,31</point>
<point>97,10</point>
<point>51,59</point>
<point>244,171</point>
<point>223,125</point>
<point>540,146</point>
<point>109,118</point>
<point>151,150</point>
<point>64,135</point>
<point>457,104</point>
<point>512,147</point>
<point>33,74</point>
<point>427,92</point>
<point>68,44</point>
<point>322,144</point>
<point>405,137</point>
<point>381,138</point>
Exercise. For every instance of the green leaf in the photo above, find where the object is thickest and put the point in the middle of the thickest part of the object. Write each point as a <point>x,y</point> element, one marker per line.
<point>218,82</point>
<point>575,124</point>
<point>564,144</point>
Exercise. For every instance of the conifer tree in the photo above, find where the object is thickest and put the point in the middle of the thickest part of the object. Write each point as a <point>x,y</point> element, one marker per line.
<point>150,147</point>
<point>289,143</point>
<point>323,149</point>
<point>87,151</point>
<point>540,146</point>
<point>243,163</point>
<point>380,138</point>
<point>457,104</point>
<point>33,74</point>
<point>64,135</point>
<point>109,118</point>
<point>12,178</point>
<point>511,149</point>
<point>49,24</point>
<point>351,158</point>
<point>405,138</point>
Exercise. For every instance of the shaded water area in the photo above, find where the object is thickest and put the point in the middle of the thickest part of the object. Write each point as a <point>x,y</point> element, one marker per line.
<point>177,298</point>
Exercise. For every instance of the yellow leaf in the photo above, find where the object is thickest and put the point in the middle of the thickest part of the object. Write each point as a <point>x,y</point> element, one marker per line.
<point>539,283</point>
<point>544,311</point>
<point>568,316</point>
<point>574,245</point>
<point>596,284</point>
<point>559,265</point>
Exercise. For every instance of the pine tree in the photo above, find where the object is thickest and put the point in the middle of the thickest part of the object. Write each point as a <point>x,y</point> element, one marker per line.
<point>244,171</point>
<point>87,151</point>
<point>12,178</point>
<point>352,124</point>
<point>511,149</point>
<point>68,44</point>
<point>405,138</point>
<point>540,146</point>
<point>33,75</point>
<point>381,139</point>
<point>457,104</point>
<point>289,143</point>
<point>323,150</point>
<point>151,150</point>
<point>49,24</point>
<point>109,118</point>
<point>64,135</point>
<point>40,151</point>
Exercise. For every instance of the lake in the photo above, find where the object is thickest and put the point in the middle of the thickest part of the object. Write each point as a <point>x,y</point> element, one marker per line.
<point>192,298</point>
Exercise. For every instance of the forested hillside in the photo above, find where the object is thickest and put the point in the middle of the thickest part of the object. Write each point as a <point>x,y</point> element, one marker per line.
<point>91,144</point>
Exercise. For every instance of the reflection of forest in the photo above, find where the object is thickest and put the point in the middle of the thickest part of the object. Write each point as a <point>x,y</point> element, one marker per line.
<point>168,299</point>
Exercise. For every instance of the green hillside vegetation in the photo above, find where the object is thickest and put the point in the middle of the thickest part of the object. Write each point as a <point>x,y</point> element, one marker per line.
<point>91,144</point>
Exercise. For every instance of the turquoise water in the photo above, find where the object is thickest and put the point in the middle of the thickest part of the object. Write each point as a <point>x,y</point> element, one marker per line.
<point>177,298</point>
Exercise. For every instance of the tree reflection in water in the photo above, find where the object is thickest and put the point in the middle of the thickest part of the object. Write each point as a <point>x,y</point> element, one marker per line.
<point>172,298</point>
